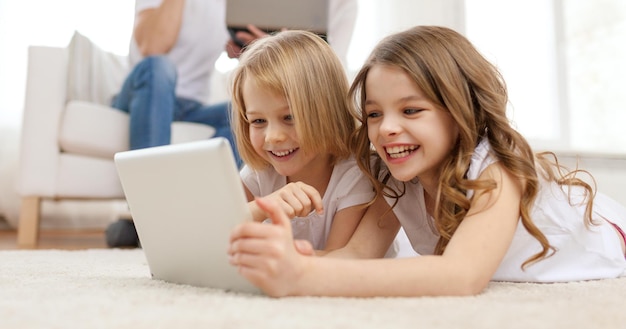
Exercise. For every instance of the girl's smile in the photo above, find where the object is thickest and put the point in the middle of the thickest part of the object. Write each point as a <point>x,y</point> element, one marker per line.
<point>402,151</point>
<point>283,155</point>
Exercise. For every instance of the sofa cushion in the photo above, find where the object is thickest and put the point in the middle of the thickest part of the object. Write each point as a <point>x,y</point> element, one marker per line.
<point>183,132</point>
<point>101,131</point>
<point>93,75</point>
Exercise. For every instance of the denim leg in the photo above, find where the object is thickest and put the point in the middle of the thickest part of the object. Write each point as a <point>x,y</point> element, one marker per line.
<point>215,115</point>
<point>148,95</point>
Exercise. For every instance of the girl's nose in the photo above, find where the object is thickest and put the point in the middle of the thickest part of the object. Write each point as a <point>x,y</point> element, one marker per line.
<point>389,126</point>
<point>274,134</point>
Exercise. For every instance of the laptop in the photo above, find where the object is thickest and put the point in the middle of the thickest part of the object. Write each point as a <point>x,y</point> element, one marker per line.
<point>185,199</point>
<point>274,15</point>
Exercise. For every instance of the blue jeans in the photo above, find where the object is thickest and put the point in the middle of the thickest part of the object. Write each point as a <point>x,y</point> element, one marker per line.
<point>148,96</point>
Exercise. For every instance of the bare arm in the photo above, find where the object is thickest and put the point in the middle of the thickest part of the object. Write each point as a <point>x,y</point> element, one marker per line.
<point>344,224</point>
<point>466,267</point>
<point>156,30</point>
<point>470,260</point>
<point>373,234</point>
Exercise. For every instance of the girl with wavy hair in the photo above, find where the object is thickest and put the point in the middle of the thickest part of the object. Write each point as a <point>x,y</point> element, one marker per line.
<point>475,200</point>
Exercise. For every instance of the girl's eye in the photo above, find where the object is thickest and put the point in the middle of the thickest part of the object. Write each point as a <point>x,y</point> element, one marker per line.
<point>412,111</point>
<point>257,121</point>
<point>288,118</point>
<point>373,115</point>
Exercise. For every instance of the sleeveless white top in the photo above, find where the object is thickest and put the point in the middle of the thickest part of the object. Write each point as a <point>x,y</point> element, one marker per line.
<point>583,253</point>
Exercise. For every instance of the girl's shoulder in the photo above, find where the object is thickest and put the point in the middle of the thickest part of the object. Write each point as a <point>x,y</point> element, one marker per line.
<point>348,180</point>
<point>261,182</point>
<point>348,169</point>
<point>267,174</point>
<point>346,164</point>
<point>481,159</point>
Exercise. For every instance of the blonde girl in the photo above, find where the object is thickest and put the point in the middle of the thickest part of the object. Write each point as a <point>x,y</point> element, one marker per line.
<point>292,122</point>
<point>473,198</point>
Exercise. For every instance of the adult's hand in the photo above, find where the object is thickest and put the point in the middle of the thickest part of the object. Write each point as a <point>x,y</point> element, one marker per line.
<point>234,50</point>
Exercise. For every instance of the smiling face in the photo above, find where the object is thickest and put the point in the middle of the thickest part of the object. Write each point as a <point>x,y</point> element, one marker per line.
<point>411,134</point>
<point>273,132</point>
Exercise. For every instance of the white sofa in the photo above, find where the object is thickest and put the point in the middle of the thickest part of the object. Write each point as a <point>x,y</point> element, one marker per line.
<point>67,144</point>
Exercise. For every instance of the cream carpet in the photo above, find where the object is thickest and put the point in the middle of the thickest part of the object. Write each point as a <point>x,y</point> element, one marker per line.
<point>112,289</point>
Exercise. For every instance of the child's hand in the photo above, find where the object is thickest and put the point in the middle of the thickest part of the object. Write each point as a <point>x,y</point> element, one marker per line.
<point>265,254</point>
<point>297,199</point>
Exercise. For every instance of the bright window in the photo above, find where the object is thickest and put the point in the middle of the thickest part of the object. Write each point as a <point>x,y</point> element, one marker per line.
<point>564,65</point>
<point>564,61</point>
<point>594,49</point>
<point>519,38</point>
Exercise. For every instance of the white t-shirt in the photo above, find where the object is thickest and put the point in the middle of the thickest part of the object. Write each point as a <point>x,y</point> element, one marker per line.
<point>347,187</point>
<point>582,253</point>
<point>341,23</point>
<point>201,40</point>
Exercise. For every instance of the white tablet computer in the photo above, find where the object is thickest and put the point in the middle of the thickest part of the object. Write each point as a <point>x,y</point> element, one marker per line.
<point>185,199</point>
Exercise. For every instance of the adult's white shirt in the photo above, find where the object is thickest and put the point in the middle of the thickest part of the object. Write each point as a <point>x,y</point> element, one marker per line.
<point>200,42</point>
<point>203,36</point>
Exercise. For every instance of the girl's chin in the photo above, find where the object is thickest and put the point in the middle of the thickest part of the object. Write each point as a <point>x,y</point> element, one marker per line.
<point>287,170</point>
<point>404,179</point>
<point>402,176</point>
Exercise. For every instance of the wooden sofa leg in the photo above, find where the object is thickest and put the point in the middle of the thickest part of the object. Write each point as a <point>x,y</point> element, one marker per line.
<point>28,227</point>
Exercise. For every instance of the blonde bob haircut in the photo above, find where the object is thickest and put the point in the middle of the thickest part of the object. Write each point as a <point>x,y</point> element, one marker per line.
<point>303,68</point>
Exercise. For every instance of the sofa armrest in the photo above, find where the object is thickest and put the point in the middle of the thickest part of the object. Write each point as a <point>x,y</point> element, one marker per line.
<point>44,103</point>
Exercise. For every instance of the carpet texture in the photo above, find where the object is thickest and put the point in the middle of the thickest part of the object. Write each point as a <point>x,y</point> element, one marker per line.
<point>112,289</point>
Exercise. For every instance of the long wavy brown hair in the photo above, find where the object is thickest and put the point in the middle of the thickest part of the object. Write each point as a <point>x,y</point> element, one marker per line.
<point>454,76</point>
